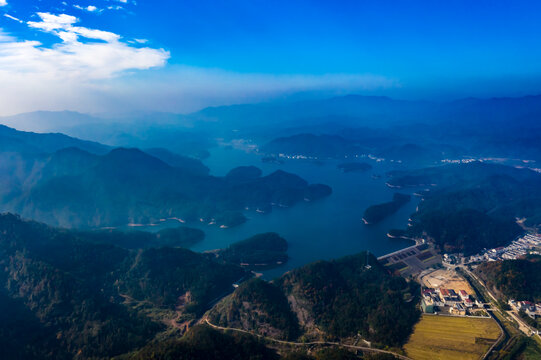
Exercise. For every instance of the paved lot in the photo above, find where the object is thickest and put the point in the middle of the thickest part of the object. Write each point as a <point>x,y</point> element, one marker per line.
<point>412,260</point>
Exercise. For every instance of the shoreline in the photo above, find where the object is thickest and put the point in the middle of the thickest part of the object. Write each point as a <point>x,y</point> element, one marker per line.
<point>400,237</point>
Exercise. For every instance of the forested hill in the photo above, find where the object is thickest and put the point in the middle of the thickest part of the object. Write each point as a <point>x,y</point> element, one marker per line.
<point>261,251</point>
<point>468,207</point>
<point>181,236</point>
<point>258,306</point>
<point>70,297</point>
<point>514,279</point>
<point>12,140</point>
<point>378,212</point>
<point>333,299</point>
<point>66,295</point>
<point>71,187</point>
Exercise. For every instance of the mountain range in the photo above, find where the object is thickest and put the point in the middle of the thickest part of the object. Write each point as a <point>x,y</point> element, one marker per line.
<point>73,183</point>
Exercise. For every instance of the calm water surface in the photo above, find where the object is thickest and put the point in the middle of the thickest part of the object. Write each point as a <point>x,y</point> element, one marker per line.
<point>324,229</point>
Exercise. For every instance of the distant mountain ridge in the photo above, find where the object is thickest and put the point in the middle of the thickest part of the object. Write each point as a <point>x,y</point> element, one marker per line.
<point>364,110</point>
<point>12,140</point>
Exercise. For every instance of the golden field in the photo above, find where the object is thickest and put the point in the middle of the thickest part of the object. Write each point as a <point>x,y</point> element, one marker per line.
<point>438,337</point>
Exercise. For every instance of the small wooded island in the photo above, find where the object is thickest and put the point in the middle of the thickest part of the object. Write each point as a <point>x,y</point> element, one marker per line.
<point>376,213</point>
<point>354,167</point>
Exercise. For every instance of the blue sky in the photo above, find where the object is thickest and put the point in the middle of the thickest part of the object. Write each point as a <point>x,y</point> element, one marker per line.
<point>108,55</point>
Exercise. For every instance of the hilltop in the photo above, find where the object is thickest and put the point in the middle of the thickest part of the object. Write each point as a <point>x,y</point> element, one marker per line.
<point>330,299</point>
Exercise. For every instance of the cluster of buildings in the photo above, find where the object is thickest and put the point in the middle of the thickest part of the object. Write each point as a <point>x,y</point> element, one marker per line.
<point>448,300</point>
<point>520,247</point>
<point>531,309</point>
<point>458,161</point>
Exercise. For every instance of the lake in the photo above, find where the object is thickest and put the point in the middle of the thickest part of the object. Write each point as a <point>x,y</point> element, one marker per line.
<point>324,229</point>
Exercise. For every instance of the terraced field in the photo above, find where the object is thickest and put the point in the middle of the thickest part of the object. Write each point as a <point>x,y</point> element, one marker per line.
<point>446,337</point>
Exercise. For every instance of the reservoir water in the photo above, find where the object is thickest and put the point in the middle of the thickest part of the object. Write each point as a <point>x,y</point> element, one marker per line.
<point>324,229</point>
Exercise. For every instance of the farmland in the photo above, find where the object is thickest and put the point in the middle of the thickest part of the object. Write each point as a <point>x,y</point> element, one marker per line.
<point>445,337</point>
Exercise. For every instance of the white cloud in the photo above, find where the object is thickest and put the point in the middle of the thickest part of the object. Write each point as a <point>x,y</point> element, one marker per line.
<point>3,2</point>
<point>92,70</point>
<point>70,74</point>
<point>13,18</point>
<point>78,68</point>
<point>50,22</point>
<point>176,89</point>
<point>89,8</point>
<point>73,58</point>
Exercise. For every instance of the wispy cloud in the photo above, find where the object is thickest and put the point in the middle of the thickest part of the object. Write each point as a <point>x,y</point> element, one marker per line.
<point>62,26</point>
<point>13,18</point>
<point>94,70</point>
<point>89,8</point>
<point>71,72</point>
<point>3,2</point>
<point>185,89</point>
<point>73,58</point>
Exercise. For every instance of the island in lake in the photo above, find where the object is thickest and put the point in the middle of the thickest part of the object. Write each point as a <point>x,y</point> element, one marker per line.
<point>376,213</point>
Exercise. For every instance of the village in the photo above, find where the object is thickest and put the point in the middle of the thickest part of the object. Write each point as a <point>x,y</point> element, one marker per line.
<point>447,300</point>
<point>527,244</point>
<point>446,292</point>
<point>528,307</point>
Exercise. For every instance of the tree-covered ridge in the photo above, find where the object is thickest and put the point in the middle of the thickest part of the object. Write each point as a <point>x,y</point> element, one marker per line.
<point>340,298</point>
<point>63,287</point>
<point>257,306</point>
<point>174,277</point>
<point>204,343</point>
<point>514,279</point>
<point>69,292</point>
<point>465,231</point>
<point>181,236</point>
<point>344,298</point>
<point>453,174</point>
<point>257,252</point>
<point>378,212</point>
<point>12,140</point>
<point>473,206</point>
<point>74,188</point>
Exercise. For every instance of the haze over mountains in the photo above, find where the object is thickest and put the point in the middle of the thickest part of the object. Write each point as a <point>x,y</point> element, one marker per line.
<point>72,187</point>
<point>474,163</point>
<point>53,166</point>
<point>270,180</point>
<point>492,127</point>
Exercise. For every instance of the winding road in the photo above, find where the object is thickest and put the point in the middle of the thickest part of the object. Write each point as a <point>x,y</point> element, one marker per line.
<point>284,342</point>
